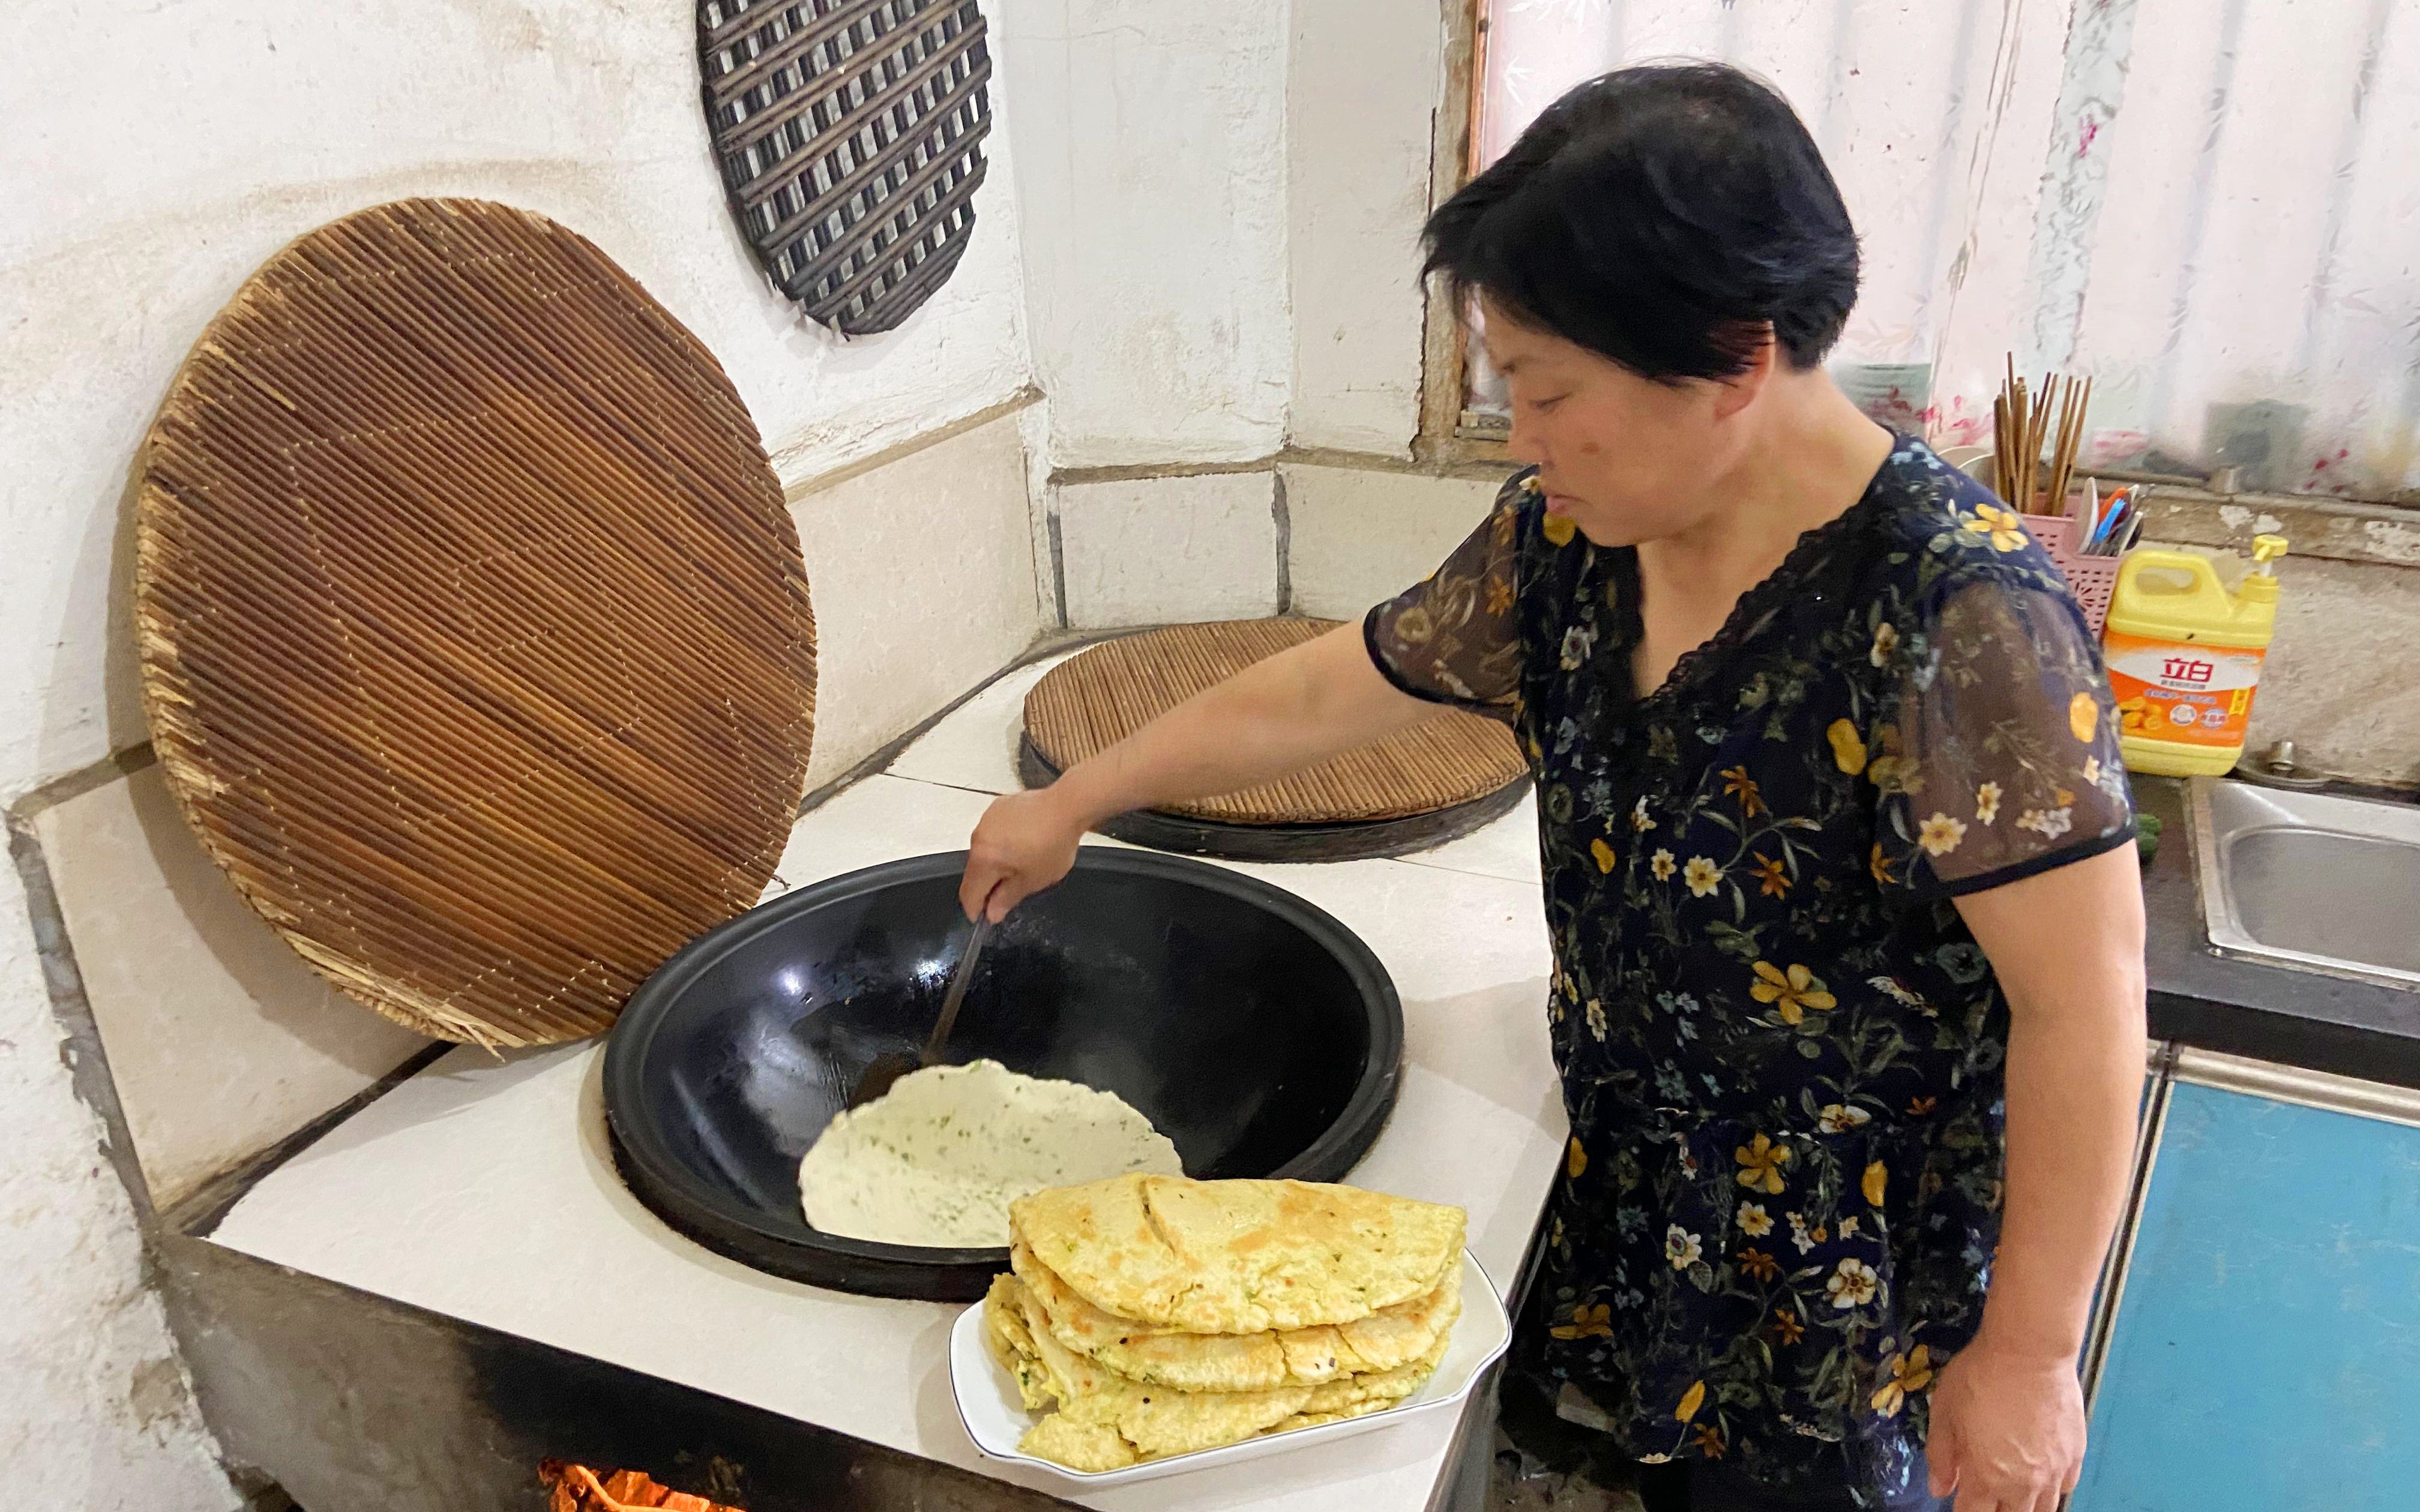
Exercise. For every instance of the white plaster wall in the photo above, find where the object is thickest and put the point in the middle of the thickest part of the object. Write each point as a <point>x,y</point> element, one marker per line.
<point>1158,550</point>
<point>1363,84</point>
<point>261,118</point>
<point>95,1411</point>
<point>254,120</point>
<point>925,586</point>
<point>1359,534</point>
<point>1152,181</point>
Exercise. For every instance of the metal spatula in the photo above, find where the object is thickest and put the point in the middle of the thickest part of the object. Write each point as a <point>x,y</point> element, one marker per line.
<point>888,1068</point>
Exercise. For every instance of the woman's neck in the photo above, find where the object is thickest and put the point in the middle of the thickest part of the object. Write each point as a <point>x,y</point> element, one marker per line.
<point>1812,457</point>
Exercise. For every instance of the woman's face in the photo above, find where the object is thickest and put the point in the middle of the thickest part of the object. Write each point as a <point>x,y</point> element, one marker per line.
<point>1627,459</point>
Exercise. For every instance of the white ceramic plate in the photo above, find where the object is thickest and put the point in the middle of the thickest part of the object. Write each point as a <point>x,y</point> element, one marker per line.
<point>996,1417</point>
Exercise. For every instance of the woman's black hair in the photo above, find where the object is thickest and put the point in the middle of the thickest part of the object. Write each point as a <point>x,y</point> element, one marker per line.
<point>1665,216</point>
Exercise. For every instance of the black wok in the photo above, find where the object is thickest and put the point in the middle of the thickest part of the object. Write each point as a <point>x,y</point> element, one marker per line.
<point>1252,1029</point>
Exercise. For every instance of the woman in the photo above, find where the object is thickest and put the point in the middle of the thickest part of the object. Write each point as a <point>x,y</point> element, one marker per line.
<point>1848,997</point>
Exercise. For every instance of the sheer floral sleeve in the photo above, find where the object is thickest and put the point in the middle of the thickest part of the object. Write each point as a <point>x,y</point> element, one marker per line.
<point>1453,637</point>
<point>2000,757</point>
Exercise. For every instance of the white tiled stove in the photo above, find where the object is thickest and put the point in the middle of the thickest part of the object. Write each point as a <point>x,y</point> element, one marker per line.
<point>411,1198</point>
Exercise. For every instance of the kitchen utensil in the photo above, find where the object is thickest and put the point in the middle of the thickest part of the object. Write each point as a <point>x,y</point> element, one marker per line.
<point>475,640</point>
<point>1250,1026</point>
<point>2118,527</point>
<point>889,1068</point>
<point>2090,545</point>
<point>996,1418</point>
<point>1442,777</point>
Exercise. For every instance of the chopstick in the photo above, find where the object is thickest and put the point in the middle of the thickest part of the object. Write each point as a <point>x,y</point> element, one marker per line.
<point>2021,423</point>
<point>2039,421</point>
<point>2073,401</point>
<point>2010,426</point>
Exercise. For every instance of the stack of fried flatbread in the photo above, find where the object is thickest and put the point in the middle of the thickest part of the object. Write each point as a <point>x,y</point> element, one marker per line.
<point>1148,1316</point>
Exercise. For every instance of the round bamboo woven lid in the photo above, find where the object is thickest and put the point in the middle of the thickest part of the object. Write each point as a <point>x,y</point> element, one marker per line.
<point>1093,699</point>
<point>475,636</point>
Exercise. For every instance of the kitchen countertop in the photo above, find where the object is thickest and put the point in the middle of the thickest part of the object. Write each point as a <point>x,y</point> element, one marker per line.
<point>483,1189</point>
<point>2248,1008</point>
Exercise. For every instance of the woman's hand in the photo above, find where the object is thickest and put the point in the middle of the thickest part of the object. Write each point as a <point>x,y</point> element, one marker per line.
<point>1025,843</point>
<point>2008,1429</point>
<point>1281,715</point>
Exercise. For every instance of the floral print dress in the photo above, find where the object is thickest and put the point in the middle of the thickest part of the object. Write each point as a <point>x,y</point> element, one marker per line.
<point>1781,1049</point>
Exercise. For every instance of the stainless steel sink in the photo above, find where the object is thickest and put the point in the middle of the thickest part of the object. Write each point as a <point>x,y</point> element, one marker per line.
<point>2309,880</point>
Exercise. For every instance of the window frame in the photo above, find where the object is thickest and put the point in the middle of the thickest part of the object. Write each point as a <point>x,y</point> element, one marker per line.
<point>1450,433</point>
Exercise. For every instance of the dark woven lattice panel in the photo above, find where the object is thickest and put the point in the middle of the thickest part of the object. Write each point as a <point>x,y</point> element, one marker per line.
<point>850,135</point>
<point>474,633</point>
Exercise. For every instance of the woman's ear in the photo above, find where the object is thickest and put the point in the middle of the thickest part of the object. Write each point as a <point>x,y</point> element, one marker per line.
<point>1737,392</point>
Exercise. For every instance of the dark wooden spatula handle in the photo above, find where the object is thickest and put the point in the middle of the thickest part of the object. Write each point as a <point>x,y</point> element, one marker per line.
<point>959,981</point>
<point>887,1068</point>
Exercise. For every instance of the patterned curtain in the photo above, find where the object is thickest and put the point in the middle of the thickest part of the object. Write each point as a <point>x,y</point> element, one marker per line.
<point>2211,206</point>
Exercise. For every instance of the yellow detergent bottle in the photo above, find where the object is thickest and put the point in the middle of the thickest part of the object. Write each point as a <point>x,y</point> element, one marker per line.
<point>2184,656</point>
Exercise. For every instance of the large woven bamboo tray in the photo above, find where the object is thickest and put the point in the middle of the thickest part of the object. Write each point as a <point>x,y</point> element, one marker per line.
<point>475,639</point>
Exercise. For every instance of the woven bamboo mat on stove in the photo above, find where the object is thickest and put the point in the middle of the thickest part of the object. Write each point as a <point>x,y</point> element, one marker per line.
<point>1097,698</point>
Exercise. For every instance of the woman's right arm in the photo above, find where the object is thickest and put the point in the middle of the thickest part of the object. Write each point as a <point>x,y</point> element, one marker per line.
<point>1276,716</point>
